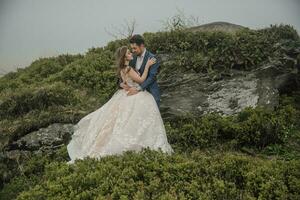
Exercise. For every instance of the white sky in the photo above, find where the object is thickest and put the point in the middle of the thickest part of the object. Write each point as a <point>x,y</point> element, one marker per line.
<point>30,29</point>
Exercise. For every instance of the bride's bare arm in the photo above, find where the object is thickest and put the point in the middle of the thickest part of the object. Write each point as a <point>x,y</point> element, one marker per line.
<point>136,77</point>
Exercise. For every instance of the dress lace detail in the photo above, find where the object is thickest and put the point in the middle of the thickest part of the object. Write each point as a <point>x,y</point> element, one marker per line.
<point>123,123</point>
<point>129,81</point>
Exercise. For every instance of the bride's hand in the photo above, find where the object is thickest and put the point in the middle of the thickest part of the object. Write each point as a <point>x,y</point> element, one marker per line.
<point>150,62</point>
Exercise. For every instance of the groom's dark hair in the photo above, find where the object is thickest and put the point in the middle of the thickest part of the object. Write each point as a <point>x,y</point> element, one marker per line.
<point>138,39</point>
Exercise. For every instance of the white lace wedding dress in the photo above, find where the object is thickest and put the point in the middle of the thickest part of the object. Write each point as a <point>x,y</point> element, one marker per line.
<point>122,123</point>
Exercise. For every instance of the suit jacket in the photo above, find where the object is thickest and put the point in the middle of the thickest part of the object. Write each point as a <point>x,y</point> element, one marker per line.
<point>150,84</point>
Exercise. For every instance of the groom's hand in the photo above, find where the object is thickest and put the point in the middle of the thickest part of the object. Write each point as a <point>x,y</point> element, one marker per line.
<point>132,91</point>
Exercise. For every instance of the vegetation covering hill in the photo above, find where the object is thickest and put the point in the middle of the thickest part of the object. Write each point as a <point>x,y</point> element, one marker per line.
<point>252,155</point>
<point>217,26</point>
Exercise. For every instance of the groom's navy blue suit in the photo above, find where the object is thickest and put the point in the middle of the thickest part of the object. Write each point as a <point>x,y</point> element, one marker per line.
<point>150,83</point>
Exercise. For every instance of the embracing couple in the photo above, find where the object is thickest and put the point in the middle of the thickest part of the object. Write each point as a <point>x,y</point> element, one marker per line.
<point>131,119</point>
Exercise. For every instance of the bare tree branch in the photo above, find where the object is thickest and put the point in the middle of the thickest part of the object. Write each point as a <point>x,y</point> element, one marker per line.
<point>126,30</point>
<point>180,21</point>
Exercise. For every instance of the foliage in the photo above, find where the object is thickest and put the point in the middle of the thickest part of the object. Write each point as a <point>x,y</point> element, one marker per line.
<point>154,175</point>
<point>214,50</point>
<point>252,127</point>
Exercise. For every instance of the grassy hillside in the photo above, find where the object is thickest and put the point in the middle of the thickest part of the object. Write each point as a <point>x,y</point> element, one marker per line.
<point>253,155</point>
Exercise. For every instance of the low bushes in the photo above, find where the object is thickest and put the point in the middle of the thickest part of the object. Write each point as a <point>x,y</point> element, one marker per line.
<point>252,127</point>
<point>155,175</point>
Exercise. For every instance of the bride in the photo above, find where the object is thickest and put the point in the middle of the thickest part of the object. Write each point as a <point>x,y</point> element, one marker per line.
<point>125,122</point>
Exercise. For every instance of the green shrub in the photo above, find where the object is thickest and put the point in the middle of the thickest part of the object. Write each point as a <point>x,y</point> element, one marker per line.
<point>28,171</point>
<point>246,49</point>
<point>253,127</point>
<point>154,175</point>
<point>26,100</point>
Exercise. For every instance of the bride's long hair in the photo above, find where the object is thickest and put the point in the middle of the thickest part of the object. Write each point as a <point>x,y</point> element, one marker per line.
<point>120,59</point>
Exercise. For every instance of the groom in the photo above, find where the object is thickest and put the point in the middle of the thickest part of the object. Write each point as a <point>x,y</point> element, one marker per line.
<point>141,55</point>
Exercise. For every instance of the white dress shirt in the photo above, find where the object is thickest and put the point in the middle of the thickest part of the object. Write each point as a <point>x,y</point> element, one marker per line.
<point>139,60</point>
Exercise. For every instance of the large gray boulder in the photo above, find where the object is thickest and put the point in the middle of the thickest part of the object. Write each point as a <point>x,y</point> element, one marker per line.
<point>227,94</point>
<point>48,138</point>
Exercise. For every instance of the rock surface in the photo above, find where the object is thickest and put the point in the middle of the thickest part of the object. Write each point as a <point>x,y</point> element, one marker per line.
<point>48,138</point>
<point>198,94</point>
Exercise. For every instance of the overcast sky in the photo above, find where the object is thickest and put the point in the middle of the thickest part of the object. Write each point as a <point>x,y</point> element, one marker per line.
<point>30,29</point>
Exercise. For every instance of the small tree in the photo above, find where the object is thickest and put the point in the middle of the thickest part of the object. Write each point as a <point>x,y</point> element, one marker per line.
<point>180,21</point>
<point>126,30</point>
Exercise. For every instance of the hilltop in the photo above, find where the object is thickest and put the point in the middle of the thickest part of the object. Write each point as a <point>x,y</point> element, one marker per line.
<point>230,104</point>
